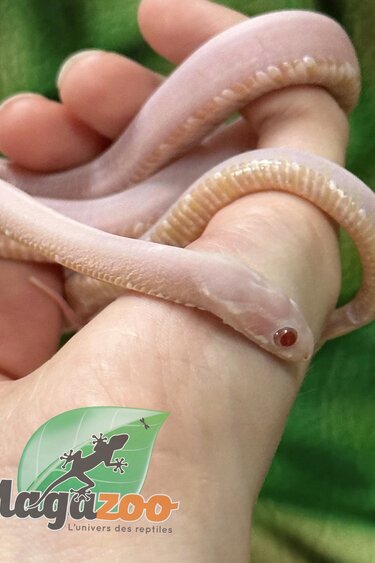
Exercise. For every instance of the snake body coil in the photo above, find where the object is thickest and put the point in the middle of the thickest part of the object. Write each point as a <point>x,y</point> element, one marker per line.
<point>259,56</point>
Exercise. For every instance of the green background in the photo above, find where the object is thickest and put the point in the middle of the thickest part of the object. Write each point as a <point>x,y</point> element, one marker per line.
<point>318,502</point>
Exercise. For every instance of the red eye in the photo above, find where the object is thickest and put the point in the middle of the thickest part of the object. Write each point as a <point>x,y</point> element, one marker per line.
<point>285,337</point>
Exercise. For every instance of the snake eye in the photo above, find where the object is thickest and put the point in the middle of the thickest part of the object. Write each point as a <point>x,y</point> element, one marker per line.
<point>285,337</point>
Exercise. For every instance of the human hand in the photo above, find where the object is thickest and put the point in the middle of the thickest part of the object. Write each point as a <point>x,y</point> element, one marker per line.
<point>129,354</point>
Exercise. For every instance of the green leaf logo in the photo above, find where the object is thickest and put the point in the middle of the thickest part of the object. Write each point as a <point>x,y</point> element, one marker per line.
<point>40,464</point>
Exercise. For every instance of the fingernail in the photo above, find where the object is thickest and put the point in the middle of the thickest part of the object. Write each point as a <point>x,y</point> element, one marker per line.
<point>71,61</point>
<point>15,97</point>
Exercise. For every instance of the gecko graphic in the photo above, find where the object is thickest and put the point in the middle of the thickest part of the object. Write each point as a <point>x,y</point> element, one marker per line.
<point>103,451</point>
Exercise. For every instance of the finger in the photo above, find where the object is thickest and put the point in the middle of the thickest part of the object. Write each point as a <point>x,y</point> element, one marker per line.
<point>105,90</point>
<point>101,93</point>
<point>175,32</point>
<point>305,118</point>
<point>42,135</point>
<point>30,322</point>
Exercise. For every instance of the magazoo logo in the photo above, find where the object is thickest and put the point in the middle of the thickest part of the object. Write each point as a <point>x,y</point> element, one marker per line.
<point>88,463</point>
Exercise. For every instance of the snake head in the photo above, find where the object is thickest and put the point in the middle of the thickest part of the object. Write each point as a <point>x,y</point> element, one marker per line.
<point>245,300</point>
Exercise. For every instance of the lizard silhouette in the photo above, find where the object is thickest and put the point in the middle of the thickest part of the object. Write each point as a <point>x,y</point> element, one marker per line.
<point>103,452</point>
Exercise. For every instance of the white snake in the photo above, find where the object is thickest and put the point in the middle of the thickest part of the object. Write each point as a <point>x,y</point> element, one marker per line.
<point>243,63</point>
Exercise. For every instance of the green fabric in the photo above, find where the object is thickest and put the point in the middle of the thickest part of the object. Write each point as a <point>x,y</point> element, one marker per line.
<point>318,502</point>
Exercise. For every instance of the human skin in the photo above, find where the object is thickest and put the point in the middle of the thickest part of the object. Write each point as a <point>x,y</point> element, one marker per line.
<point>228,400</point>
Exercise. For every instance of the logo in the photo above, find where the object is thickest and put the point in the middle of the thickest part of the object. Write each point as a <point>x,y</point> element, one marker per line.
<point>88,463</point>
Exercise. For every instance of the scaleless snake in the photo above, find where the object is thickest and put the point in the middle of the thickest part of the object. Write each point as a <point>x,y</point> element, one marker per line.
<point>243,63</point>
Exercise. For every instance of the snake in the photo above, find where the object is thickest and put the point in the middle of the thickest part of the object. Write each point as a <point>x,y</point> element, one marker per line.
<point>123,221</point>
